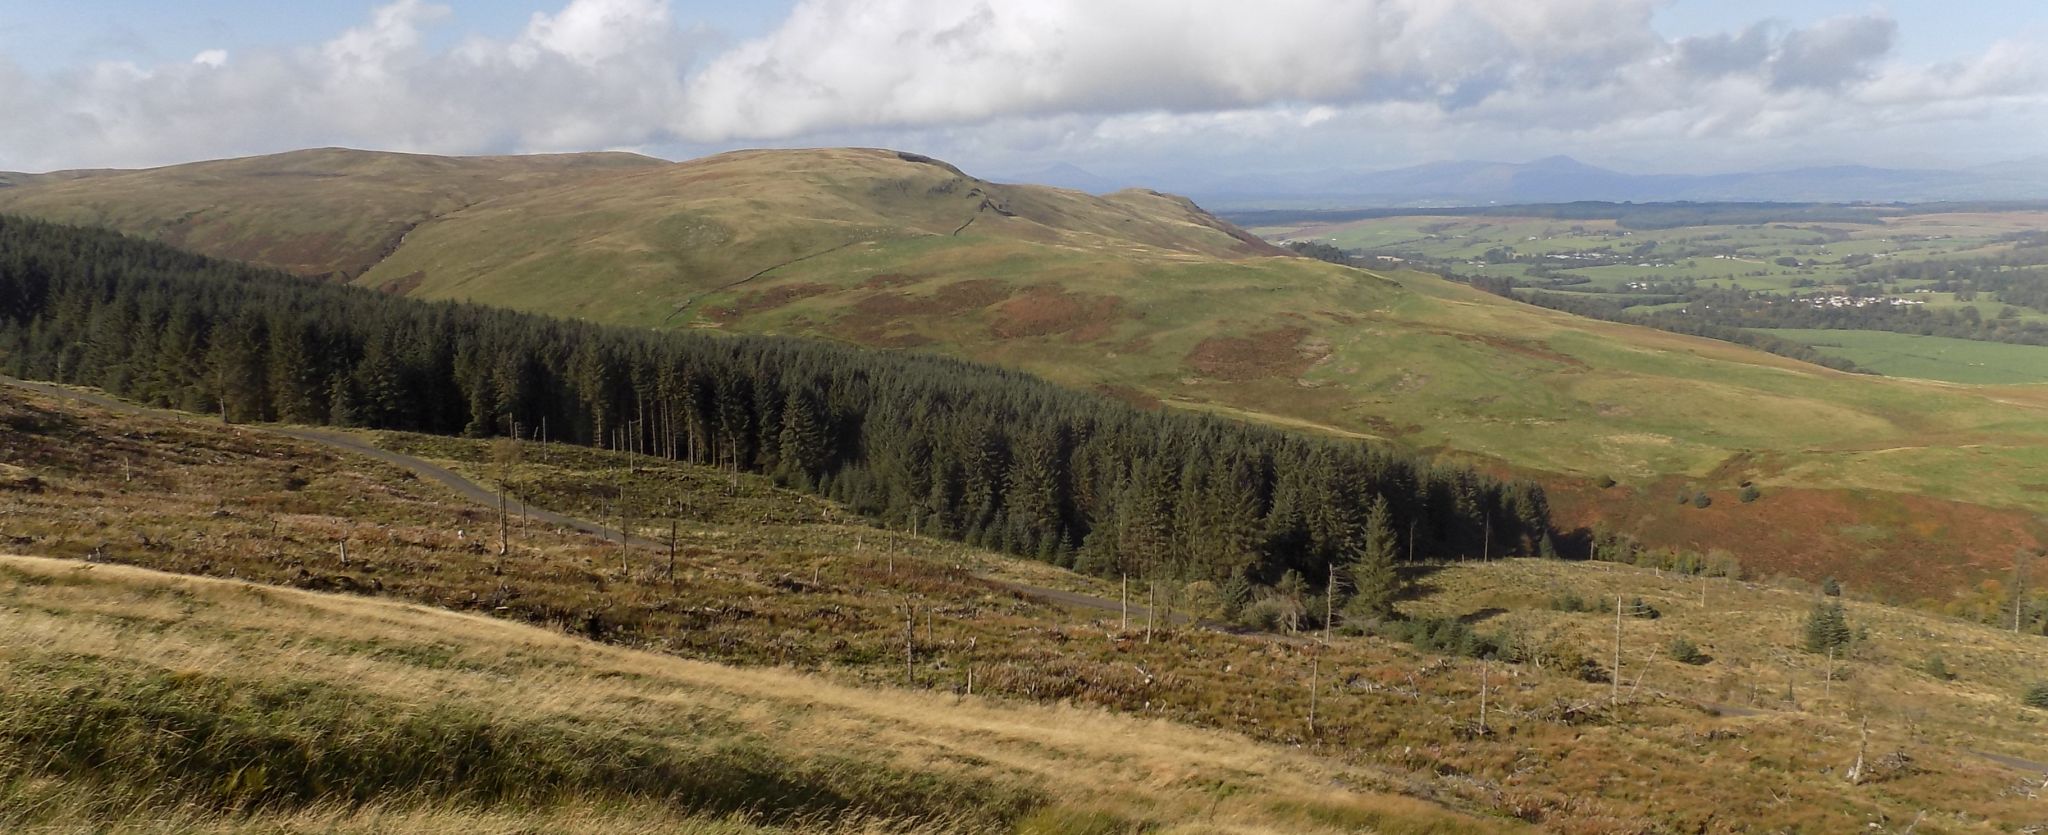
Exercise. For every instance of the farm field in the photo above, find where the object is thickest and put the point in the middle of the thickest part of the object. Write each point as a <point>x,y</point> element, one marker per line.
<point>1077,722</point>
<point>1929,357</point>
<point>1720,256</point>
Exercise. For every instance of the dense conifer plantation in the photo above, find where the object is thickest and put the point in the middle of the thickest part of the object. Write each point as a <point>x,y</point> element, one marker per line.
<point>994,457</point>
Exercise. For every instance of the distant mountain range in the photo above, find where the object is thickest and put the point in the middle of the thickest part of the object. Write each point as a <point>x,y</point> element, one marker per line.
<point>1563,179</point>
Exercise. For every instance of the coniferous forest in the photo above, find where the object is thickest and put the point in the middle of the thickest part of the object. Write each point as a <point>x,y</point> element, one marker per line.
<point>994,457</point>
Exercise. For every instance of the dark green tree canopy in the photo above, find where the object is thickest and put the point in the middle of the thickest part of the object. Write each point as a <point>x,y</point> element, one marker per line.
<point>985,454</point>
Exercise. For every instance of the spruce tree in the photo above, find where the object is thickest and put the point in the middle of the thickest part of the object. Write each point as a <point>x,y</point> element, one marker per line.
<point>802,441</point>
<point>1374,580</point>
<point>1827,627</point>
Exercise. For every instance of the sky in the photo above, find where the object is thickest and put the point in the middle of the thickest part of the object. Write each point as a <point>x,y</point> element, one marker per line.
<point>1119,87</point>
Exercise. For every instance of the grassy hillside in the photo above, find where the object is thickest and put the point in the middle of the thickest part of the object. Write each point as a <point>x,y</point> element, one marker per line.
<point>1925,486</point>
<point>1077,722</point>
<point>154,702</point>
<point>321,212</point>
<point>642,249</point>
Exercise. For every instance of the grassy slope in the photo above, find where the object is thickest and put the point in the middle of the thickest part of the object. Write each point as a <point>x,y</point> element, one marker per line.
<point>317,212</point>
<point>769,579</point>
<point>1140,296</point>
<point>586,737</point>
<point>632,249</point>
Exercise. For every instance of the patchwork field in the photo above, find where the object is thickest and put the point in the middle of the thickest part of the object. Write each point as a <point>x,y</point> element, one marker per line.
<point>1929,357</point>
<point>1603,255</point>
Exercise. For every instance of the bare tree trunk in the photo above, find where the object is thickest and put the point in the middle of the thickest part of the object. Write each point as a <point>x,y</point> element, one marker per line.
<point>1616,698</point>
<point>1150,607</point>
<point>1329,602</point>
<point>1483,682</point>
<point>1315,669</point>
<point>1126,625</point>
<point>1827,686</point>
<point>504,524</point>
<point>1862,748</point>
<point>2019,585</point>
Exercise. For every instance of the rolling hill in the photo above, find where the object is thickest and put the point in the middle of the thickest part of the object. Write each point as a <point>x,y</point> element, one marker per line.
<point>323,212</point>
<point>1916,488</point>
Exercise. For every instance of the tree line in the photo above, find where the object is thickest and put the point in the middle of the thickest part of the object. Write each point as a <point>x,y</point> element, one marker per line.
<point>993,457</point>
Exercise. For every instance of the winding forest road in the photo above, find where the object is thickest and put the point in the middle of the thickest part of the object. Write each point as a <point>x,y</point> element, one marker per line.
<point>478,494</point>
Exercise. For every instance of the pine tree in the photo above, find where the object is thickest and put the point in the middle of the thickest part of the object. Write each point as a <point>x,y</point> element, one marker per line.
<point>1374,580</point>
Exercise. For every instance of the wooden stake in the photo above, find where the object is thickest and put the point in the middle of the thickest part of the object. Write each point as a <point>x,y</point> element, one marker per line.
<point>909,637</point>
<point>1126,626</point>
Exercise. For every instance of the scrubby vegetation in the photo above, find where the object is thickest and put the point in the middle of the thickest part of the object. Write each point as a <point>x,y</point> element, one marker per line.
<point>771,578</point>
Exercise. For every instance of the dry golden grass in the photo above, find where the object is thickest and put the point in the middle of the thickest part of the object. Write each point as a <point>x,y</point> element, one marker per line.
<point>1085,763</point>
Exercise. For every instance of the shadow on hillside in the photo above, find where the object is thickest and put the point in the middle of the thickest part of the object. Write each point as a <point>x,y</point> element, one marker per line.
<point>1481,615</point>
<point>1415,582</point>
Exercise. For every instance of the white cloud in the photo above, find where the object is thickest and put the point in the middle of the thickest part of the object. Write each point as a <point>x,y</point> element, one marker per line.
<point>841,63</point>
<point>997,80</point>
<point>597,73</point>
